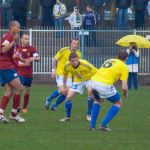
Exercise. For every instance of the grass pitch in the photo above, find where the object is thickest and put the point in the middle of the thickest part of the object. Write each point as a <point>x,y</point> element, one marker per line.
<point>42,129</point>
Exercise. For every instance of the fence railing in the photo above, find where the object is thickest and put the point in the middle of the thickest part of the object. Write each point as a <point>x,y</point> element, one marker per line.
<point>96,46</point>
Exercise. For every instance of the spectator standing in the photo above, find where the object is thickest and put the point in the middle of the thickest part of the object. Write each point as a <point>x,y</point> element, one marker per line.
<point>122,6</point>
<point>75,20</point>
<point>19,11</point>
<point>47,12</point>
<point>59,11</point>
<point>89,22</point>
<point>6,12</point>
<point>98,6</point>
<point>132,62</point>
<point>140,7</point>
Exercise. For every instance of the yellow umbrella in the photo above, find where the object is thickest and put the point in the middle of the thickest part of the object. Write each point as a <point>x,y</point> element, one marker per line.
<point>141,41</point>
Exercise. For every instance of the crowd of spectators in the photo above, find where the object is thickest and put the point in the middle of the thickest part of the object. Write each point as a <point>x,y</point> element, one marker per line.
<point>54,12</point>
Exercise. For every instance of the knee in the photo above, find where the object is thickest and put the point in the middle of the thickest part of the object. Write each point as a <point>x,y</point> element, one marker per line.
<point>118,103</point>
<point>19,89</point>
<point>8,93</point>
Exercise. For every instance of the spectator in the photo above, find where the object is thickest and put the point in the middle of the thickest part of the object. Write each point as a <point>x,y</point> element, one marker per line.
<point>47,12</point>
<point>75,20</point>
<point>6,12</point>
<point>148,10</point>
<point>89,22</point>
<point>122,6</point>
<point>19,11</point>
<point>132,62</point>
<point>59,11</point>
<point>98,6</point>
<point>140,7</point>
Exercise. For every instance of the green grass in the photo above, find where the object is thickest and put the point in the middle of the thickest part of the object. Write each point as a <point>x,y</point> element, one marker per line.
<point>43,131</point>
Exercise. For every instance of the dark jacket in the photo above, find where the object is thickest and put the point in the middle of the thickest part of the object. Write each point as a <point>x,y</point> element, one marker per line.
<point>6,4</point>
<point>19,7</point>
<point>140,4</point>
<point>123,4</point>
<point>47,3</point>
<point>97,2</point>
<point>89,20</point>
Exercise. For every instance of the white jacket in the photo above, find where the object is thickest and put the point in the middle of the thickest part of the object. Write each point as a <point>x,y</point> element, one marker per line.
<point>75,21</point>
<point>59,10</point>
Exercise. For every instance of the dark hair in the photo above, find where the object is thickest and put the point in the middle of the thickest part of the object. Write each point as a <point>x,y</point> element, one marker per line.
<point>72,55</point>
<point>122,55</point>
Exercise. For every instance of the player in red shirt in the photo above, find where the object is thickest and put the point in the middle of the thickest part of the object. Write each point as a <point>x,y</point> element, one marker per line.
<point>26,72</point>
<point>9,79</point>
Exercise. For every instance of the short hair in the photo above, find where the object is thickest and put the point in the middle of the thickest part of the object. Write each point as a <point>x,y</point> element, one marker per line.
<point>122,54</point>
<point>73,55</point>
<point>74,39</point>
<point>12,23</point>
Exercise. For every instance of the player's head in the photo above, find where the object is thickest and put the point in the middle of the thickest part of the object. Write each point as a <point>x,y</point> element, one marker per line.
<point>14,27</point>
<point>74,59</point>
<point>122,55</point>
<point>74,43</point>
<point>25,40</point>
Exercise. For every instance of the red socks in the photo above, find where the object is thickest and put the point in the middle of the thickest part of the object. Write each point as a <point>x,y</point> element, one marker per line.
<point>26,101</point>
<point>4,103</point>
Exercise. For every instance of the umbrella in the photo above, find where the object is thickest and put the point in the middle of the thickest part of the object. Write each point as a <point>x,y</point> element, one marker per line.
<point>141,41</point>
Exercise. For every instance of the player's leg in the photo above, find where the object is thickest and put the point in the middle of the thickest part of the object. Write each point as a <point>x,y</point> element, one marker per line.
<point>112,112</point>
<point>17,86</point>
<point>26,99</point>
<point>55,93</point>
<point>95,108</point>
<point>59,100</point>
<point>68,105</point>
<point>90,101</point>
<point>4,101</point>
<point>62,96</point>
<point>27,85</point>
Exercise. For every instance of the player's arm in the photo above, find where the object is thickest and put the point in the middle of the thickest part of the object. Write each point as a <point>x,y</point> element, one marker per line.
<point>6,48</point>
<point>125,89</point>
<point>6,45</point>
<point>65,75</point>
<point>54,65</point>
<point>35,57</point>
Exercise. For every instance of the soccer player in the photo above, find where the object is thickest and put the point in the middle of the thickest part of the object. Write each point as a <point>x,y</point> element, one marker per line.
<point>82,72</point>
<point>58,64</point>
<point>26,72</point>
<point>9,79</point>
<point>102,87</point>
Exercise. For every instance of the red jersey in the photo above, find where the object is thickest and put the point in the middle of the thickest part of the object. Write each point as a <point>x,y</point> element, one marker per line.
<point>6,60</point>
<point>25,52</point>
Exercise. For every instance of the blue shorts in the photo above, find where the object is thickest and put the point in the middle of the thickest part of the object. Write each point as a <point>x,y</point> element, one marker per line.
<point>7,75</point>
<point>25,81</point>
<point>114,98</point>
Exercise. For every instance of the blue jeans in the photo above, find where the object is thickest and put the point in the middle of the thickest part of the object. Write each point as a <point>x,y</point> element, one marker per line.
<point>59,24</point>
<point>122,19</point>
<point>132,76</point>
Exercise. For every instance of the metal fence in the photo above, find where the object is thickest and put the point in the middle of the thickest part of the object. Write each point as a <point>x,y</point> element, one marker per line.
<point>96,46</point>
